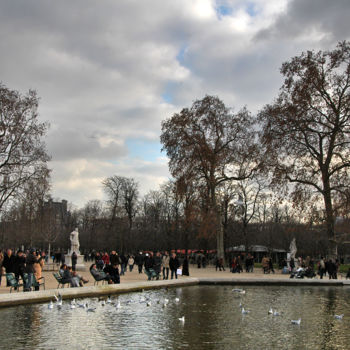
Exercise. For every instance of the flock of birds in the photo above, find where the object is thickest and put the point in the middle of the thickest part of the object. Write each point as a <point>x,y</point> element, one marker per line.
<point>108,301</point>
<point>103,302</point>
<point>271,310</point>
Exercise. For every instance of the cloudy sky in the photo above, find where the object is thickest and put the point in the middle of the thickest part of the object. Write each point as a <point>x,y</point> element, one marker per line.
<point>109,71</point>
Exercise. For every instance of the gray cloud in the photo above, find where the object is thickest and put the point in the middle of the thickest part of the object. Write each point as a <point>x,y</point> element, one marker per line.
<point>105,69</point>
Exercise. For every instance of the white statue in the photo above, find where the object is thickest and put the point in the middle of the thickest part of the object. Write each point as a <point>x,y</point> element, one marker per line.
<point>293,248</point>
<point>74,241</point>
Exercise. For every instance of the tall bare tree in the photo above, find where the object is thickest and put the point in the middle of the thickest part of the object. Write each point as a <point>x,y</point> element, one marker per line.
<point>23,155</point>
<point>209,144</point>
<point>306,131</point>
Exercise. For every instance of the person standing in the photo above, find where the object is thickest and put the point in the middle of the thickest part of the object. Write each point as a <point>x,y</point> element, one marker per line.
<point>157,264</point>
<point>1,261</point>
<point>165,265</point>
<point>38,268</point>
<point>185,270</point>
<point>74,260</point>
<point>20,263</point>
<point>31,259</point>
<point>174,264</point>
<point>9,262</point>
<point>139,260</point>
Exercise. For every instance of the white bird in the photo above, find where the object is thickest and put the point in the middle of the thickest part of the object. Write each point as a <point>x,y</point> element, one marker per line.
<point>50,306</point>
<point>238,290</point>
<point>118,306</point>
<point>72,305</point>
<point>297,322</point>
<point>270,311</point>
<point>276,313</point>
<point>244,311</point>
<point>339,317</point>
<point>166,301</point>
<point>148,303</point>
<point>103,303</point>
<point>91,309</point>
<point>177,300</point>
<point>109,301</point>
<point>240,305</point>
<point>182,319</point>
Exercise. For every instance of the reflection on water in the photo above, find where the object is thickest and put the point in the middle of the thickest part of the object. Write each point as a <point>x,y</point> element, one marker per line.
<point>213,320</point>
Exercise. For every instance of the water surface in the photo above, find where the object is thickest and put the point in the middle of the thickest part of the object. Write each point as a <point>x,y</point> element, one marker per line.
<point>213,320</point>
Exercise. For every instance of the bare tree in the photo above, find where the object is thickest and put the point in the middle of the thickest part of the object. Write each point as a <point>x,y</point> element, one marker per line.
<point>23,155</point>
<point>209,144</point>
<point>306,131</point>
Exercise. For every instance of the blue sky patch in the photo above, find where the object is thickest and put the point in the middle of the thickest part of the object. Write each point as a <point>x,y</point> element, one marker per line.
<point>143,149</point>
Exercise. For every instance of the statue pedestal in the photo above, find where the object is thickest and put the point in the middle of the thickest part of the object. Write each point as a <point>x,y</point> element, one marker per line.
<point>80,266</point>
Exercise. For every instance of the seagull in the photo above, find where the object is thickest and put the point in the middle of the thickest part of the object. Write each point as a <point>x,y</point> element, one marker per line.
<point>148,303</point>
<point>118,306</point>
<point>50,306</point>
<point>109,301</point>
<point>103,303</point>
<point>72,305</point>
<point>177,300</point>
<point>244,311</point>
<point>58,299</point>
<point>238,290</point>
<point>276,313</point>
<point>166,301</point>
<point>83,306</point>
<point>297,322</point>
<point>91,309</point>
<point>182,319</point>
<point>339,317</point>
<point>270,311</point>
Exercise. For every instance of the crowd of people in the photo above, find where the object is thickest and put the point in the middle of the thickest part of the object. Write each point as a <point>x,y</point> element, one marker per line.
<point>27,265</point>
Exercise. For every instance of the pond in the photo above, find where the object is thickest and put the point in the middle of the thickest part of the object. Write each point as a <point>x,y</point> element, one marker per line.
<point>200,317</point>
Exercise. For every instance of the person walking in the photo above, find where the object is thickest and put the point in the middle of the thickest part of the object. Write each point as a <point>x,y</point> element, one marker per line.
<point>1,261</point>
<point>131,262</point>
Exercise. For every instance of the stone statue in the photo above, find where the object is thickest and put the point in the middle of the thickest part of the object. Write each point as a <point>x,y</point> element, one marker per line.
<point>293,248</point>
<point>74,241</point>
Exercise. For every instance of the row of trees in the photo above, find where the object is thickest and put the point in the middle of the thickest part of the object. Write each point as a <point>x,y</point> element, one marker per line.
<point>237,178</point>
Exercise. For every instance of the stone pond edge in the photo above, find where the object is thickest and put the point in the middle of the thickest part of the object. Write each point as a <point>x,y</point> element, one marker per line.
<point>20,298</point>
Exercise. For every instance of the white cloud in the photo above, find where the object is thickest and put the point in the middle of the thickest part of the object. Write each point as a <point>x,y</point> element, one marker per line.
<point>109,72</point>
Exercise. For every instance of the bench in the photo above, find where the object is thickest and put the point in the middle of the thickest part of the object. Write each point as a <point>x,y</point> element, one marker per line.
<point>98,279</point>
<point>60,280</point>
<point>151,274</point>
<point>12,282</point>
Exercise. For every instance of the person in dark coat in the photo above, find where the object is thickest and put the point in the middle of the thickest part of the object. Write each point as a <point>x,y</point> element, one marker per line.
<point>20,263</point>
<point>174,264</point>
<point>185,270</point>
<point>9,261</point>
<point>31,259</point>
<point>74,260</point>
<point>139,260</point>
<point>157,264</point>
<point>113,271</point>
<point>114,258</point>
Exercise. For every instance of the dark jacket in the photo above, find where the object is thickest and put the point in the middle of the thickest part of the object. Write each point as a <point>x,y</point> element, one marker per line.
<point>149,262</point>
<point>114,259</point>
<point>174,263</point>
<point>20,263</point>
<point>31,259</point>
<point>9,263</point>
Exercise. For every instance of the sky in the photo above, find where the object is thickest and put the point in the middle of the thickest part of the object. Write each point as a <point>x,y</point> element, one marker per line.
<point>108,72</point>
